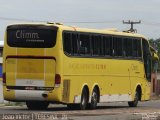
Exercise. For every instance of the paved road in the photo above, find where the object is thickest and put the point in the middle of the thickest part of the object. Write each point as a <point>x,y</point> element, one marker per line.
<point>107,111</point>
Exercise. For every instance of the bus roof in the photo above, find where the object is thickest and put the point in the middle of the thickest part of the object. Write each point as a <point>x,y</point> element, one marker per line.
<point>110,31</point>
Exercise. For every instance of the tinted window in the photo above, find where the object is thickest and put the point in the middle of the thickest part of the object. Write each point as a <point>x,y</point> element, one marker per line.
<point>96,45</point>
<point>75,44</point>
<point>31,36</point>
<point>127,47</point>
<point>107,44</point>
<point>139,48</point>
<point>147,59</point>
<point>100,45</point>
<point>67,43</point>
<point>70,43</point>
<point>136,48</point>
<point>85,44</point>
<point>117,46</point>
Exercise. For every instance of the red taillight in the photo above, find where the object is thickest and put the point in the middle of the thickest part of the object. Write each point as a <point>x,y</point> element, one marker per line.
<point>4,78</point>
<point>57,79</point>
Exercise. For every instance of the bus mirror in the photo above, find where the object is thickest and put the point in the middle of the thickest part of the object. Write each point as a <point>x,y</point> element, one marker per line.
<point>155,56</point>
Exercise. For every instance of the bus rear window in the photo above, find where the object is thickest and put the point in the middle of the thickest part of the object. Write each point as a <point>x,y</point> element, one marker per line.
<point>31,36</point>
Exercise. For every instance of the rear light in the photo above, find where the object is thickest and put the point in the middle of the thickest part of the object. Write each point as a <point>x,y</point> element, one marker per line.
<point>57,80</point>
<point>4,78</point>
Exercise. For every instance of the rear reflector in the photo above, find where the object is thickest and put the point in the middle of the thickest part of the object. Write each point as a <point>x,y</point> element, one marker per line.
<point>4,78</point>
<point>57,80</point>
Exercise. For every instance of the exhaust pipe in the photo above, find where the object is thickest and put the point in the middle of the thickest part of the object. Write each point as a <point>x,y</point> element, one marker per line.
<point>45,95</point>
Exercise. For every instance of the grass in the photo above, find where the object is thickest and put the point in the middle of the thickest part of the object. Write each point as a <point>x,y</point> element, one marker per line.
<point>14,103</point>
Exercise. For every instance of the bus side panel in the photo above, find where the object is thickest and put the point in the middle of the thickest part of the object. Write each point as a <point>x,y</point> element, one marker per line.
<point>110,79</point>
<point>77,74</point>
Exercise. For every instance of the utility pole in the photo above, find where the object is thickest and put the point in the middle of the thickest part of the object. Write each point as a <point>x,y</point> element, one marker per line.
<point>131,23</point>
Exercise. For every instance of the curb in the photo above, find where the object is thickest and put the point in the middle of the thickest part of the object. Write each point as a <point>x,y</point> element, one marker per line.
<point>2,105</point>
<point>155,98</point>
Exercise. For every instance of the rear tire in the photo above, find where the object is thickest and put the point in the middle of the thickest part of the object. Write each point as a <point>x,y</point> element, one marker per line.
<point>136,99</point>
<point>94,99</point>
<point>84,99</point>
<point>37,105</point>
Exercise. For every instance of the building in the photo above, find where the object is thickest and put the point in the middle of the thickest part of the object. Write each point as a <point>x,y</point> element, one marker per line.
<point>155,83</point>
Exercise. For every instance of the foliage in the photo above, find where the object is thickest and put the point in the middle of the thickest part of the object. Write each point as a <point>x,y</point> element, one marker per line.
<point>14,104</point>
<point>155,43</point>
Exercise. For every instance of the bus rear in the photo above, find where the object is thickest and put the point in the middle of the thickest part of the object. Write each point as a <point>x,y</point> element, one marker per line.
<point>29,72</point>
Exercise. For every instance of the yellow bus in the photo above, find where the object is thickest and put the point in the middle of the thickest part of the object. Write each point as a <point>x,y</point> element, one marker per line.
<point>79,67</point>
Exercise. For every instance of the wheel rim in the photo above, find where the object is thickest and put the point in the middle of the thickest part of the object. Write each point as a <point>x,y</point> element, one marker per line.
<point>84,100</point>
<point>94,97</point>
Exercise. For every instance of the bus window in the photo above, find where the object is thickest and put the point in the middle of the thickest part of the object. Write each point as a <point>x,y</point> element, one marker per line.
<point>127,47</point>
<point>139,46</point>
<point>147,59</point>
<point>117,46</point>
<point>67,43</point>
<point>31,36</point>
<point>96,45</point>
<point>135,48</point>
<point>101,46</point>
<point>74,44</point>
<point>84,43</point>
<point>107,43</point>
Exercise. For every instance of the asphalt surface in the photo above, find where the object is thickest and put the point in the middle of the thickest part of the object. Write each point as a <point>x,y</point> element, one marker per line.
<point>105,111</point>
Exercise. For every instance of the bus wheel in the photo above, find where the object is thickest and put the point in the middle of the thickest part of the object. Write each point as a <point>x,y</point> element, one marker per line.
<point>94,99</point>
<point>84,99</point>
<point>37,105</point>
<point>136,99</point>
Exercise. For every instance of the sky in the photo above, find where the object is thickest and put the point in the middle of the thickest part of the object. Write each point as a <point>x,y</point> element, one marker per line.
<point>99,14</point>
